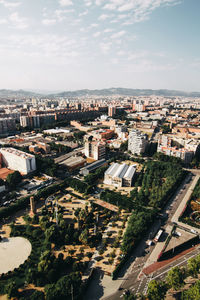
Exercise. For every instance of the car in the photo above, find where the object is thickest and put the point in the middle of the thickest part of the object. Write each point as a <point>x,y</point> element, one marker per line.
<point>150,243</point>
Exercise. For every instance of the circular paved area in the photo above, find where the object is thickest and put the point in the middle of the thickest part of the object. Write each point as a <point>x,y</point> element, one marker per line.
<point>13,252</point>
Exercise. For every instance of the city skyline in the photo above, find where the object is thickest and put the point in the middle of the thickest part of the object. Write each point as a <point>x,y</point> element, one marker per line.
<point>71,45</point>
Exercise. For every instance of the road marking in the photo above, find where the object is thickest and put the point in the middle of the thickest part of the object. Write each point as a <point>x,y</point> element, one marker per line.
<point>139,286</point>
<point>174,266</point>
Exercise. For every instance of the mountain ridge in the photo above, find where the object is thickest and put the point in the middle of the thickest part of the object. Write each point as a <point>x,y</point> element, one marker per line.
<point>7,93</point>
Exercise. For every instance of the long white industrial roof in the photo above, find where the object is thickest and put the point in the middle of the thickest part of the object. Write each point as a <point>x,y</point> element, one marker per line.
<point>130,172</point>
<point>121,171</point>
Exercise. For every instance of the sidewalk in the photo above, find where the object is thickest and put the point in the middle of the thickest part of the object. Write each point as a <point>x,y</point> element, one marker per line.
<point>156,251</point>
<point>185,200</point>
<point>160,264</point>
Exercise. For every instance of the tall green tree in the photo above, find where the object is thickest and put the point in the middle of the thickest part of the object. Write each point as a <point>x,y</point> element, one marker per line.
<point>175,278</point>
<point>13,179</point>
<point>156,290</point>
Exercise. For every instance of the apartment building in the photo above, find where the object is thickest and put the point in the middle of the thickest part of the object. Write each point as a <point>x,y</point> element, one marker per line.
<point>7,126</point>
<point>18,160</point>
<point>137,142</point>
<point>95,149</point>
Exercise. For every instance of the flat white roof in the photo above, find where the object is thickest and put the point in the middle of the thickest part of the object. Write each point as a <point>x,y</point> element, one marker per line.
<point>55,131</point>
<point>17,152</point>
<point>121,171</point>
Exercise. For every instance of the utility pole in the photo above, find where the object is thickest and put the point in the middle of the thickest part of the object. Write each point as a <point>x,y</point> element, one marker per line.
<point>95,229</point>
<point>56,212</point>
<point>72,291</point>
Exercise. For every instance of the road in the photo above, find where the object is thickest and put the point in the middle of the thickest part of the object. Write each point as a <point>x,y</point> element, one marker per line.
<point>134,279</point>
<point>65,156</point>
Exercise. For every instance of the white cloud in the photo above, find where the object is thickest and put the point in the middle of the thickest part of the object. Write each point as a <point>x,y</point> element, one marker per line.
<point>195,63</point>
<point>44,46</point>
<point>105,47</point>
<point>114,61</point>
<point>49,21</point>
<point>103,17</point>
<point>120,17</point>
<point>121,53</point>
<point>3,21</point>
<point>9,4</point>
<point>96,34</point>
<point>17,21</point>
<point>137,55</point>
<point>139,9</point>
<point>107,30</point>
<point>99,2</point>
<point>118,34</point>
<point>65,2</point>
<point>88,3</point>
<point>84,13</point>
<point>60,14</point>
<point>94,25</point>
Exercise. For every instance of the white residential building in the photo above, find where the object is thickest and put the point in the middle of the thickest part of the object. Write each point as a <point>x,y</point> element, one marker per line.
<point>137,142</point>
<point>17,160</point>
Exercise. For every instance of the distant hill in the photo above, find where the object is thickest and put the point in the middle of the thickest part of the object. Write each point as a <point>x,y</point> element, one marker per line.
<point>103,92</point>
<point>125,92</point>
<point>17,94</point>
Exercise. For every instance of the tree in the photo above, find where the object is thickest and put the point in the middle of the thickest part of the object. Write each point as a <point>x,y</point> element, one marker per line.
<point>129,296</point>
<point>84,236</point>
<point>37,295</point>
<point>175,278</point>
<point>2,182</point>
<point>193,293</point>
<point>156,290</point>
<point>13,179</point>
<point>11,289</point>
<point>45,263</point>
<point>124,146</point>
<point>52,234</point>
<point>193,267</point>
<point>51,292</point>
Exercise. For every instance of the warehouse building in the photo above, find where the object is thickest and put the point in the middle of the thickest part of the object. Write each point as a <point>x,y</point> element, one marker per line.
<point>92,167</point>
<point>120,175</point>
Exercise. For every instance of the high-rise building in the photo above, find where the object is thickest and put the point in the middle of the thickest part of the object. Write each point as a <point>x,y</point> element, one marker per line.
<point>137,142</point>
<point>95,149</point>
<point>78,106</point>
<point>7,126</point>
<point>111,111</point>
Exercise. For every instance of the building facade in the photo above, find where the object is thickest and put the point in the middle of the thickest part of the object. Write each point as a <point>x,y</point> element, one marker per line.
<point>119,175</point>
<point>7,126</point>
<point>95,149</point>
<point>137,142</point>
<point>17,160</point>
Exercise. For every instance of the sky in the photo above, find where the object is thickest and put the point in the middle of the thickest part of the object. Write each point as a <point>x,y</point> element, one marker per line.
<point>56,45</point>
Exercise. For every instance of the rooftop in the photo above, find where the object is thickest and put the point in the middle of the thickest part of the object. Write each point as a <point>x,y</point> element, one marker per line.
<point>17,152</point>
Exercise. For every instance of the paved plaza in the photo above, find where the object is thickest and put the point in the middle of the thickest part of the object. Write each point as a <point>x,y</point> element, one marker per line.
<point>13,252</point>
